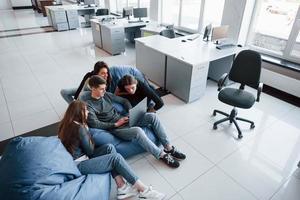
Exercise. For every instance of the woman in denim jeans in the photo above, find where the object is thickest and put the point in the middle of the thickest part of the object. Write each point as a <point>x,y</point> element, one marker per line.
<point>74,134</point>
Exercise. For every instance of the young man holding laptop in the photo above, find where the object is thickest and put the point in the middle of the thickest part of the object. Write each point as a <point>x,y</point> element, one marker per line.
<point>103,115</point>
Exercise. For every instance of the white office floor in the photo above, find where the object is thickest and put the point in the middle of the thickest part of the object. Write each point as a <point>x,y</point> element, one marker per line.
<point>263,165</point>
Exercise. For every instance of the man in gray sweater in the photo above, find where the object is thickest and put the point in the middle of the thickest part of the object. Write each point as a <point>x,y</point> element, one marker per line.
<point>103,115</point>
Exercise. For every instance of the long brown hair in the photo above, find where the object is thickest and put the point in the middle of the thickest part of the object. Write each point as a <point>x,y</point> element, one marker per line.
<point>126,80</point>
<point>68,131</point>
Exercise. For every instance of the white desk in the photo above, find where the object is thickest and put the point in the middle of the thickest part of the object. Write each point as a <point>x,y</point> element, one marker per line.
<point>180,67</point>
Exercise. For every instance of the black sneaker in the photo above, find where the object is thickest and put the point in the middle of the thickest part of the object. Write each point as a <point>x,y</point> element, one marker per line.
<point>175,154</point>
<point>167,158</point>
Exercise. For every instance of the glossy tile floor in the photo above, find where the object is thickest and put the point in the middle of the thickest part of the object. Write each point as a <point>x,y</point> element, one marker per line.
<point>263,165</point>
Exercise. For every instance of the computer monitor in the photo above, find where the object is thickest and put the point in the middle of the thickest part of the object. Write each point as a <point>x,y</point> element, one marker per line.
<point>89,2</point>
<point>206,33</point>
<point>127,12</point>
<point>219,33</point>
<point>139,13</point>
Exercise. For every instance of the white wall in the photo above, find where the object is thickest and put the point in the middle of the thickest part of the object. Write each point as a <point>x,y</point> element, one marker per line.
<point>20,3</point>
<point>5,4</point>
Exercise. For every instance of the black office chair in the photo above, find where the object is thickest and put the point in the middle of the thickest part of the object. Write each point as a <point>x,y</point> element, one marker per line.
<point>169,33</point>
<point>245,70</point>
<point>102,11</point>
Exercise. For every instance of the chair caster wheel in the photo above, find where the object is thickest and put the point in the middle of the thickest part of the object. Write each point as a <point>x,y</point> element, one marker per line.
<point>230,122</point>
<point>215,127</point>
<point>240,136</point>
<point>214,113</point>
<point>252,126</point>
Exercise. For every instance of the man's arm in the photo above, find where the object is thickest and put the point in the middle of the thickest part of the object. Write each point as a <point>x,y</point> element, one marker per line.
<point>124,102</point>
<point>94,122</point>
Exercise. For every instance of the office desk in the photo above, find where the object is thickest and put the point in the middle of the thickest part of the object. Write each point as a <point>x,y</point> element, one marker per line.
<point>180,67</point>
<point>152,29</point>
<point>110,35</point>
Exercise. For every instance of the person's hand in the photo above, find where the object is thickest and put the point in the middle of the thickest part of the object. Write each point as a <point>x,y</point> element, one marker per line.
<point>122,121</point>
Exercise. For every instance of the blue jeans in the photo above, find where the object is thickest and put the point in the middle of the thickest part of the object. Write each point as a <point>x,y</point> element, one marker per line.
<point>149,120</point>
<point>106,159</point>
<point>68,94</point>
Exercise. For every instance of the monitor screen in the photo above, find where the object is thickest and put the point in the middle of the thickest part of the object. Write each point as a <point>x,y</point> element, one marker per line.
<point>140,12</point>
<point>89,2</point>
<point>219,32</point>
<point>127,11</point>
<point>207,31</point>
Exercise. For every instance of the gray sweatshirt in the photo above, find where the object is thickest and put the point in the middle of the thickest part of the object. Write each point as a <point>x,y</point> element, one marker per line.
<point>102,113</point>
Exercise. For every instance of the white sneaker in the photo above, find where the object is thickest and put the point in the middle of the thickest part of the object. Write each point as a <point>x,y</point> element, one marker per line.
<point>151,194</point>
<point>126,191</point>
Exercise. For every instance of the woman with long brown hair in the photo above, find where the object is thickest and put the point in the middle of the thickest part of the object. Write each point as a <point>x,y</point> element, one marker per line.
<point>75,136</point>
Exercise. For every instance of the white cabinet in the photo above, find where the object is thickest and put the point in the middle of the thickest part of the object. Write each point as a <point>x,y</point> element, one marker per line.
<point>59,19</point>
<point>113,38</point>
<point>20,3</point>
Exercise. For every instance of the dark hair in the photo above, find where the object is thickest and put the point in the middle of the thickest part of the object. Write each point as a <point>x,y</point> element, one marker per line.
<point>68,131</point>
<point>96,80</point>
<point>97,67</point>
<point>126,80</point>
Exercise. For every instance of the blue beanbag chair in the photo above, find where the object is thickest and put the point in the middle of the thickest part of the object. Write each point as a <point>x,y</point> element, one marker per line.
<point>41,168</point>
<point>117,72</point>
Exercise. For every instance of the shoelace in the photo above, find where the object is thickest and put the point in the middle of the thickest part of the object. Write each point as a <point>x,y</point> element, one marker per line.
<point>169,158</point>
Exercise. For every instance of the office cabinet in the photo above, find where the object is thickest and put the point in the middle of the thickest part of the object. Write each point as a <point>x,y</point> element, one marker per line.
<point>59,19</point>
<point>96,32</point>
<point>151,63</point>
<point>73,20</point>
<point>113,38</point>
<point>186,81</point>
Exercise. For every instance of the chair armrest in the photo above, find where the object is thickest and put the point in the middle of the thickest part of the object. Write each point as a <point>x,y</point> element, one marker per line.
<point>259,90</point>
<point>222,81</point>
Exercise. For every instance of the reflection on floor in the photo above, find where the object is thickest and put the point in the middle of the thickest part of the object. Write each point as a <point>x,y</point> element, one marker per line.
<point>263,165</point>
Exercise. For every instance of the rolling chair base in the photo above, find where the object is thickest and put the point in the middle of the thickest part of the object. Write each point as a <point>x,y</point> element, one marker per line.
<point>232,118</point>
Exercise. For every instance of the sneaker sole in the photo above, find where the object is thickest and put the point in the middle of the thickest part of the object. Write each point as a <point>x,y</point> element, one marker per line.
<point>162,198</point>
<point>178,158</point>
<point>126,196</point>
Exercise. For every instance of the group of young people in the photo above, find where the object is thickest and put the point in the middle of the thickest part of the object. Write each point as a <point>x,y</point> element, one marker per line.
<point>98,111</point>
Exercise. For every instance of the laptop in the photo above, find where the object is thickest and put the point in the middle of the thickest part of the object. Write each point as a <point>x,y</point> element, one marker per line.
<point>137,112</point>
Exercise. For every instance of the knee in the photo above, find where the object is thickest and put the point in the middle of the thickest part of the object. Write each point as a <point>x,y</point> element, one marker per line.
<point>150,117</point>
<point>110,149</point>
<point>63,92</point>
<point>117,158</point>
<point>139,132</point>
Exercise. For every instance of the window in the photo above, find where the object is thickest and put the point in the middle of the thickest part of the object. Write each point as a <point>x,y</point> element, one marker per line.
<point>274,29</point>
<point>213,11</point>
<point>145,4</point>
<point>117,6</point>
<point>133,3</point>
<point>170,12</point>
<point>189,14</point>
